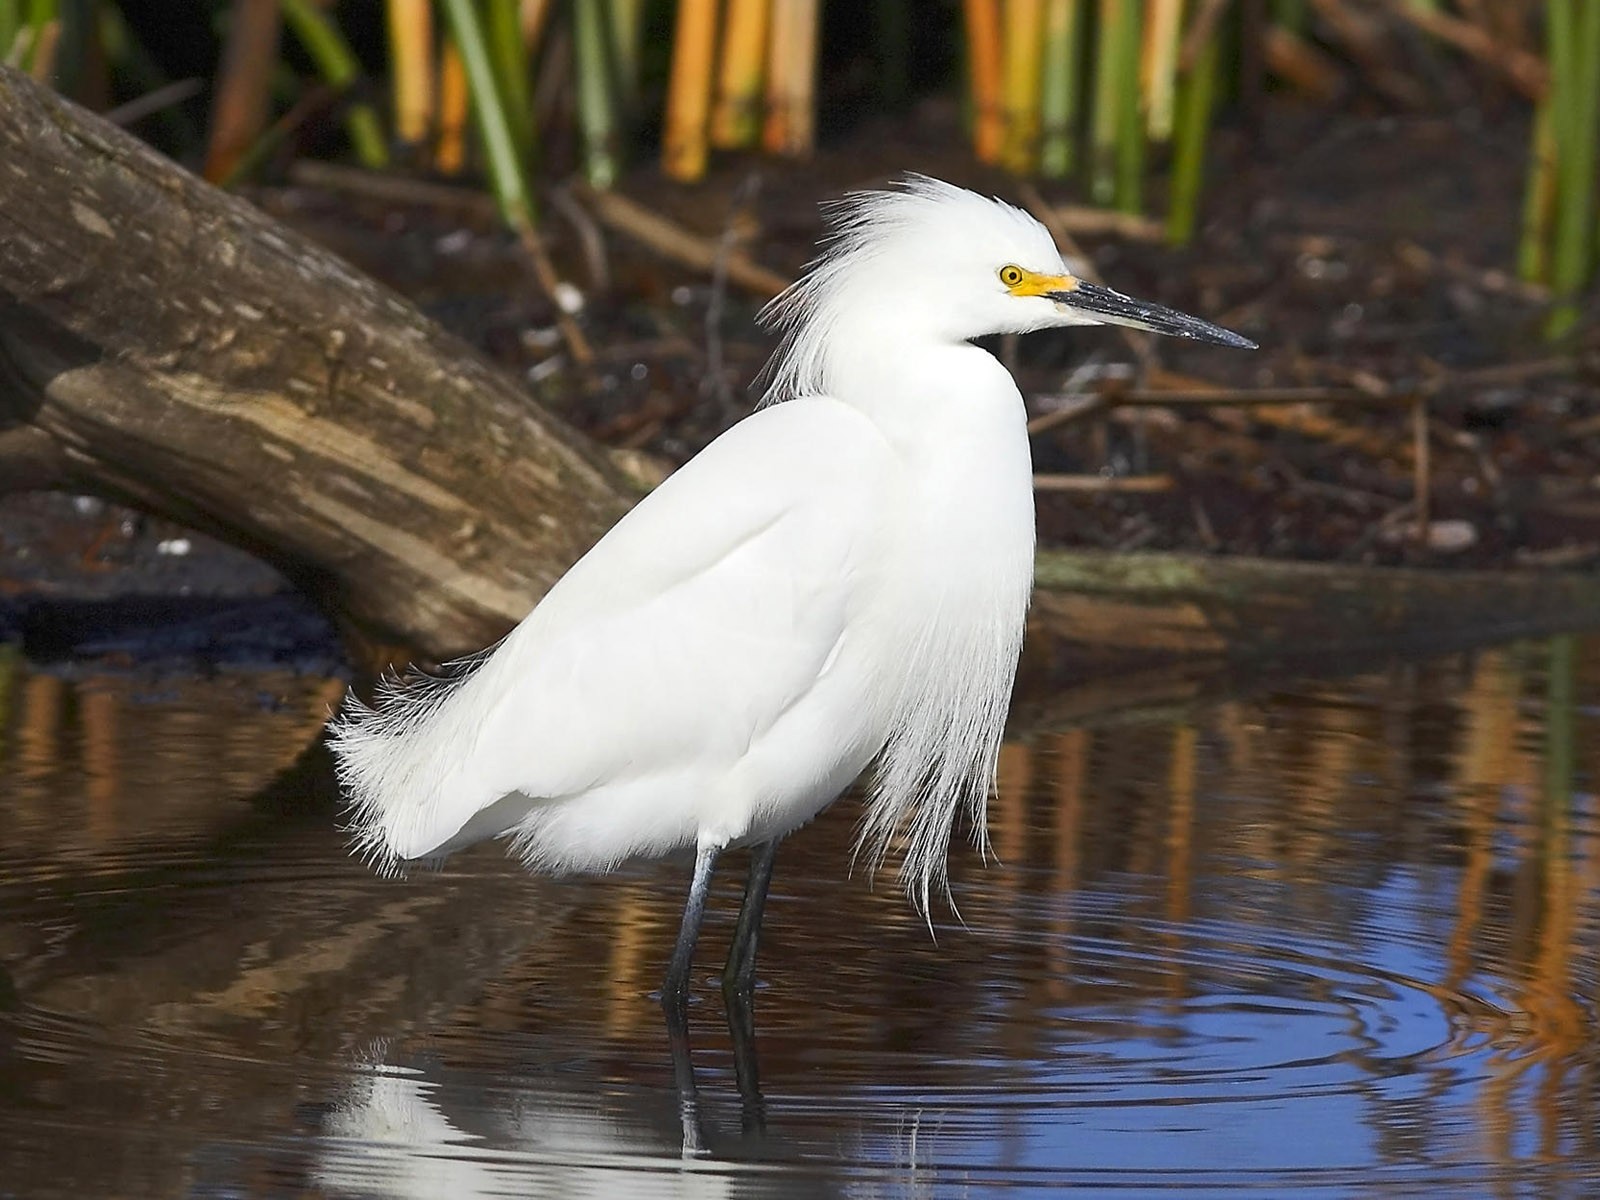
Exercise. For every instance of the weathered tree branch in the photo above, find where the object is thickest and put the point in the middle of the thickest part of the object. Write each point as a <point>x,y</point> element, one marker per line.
<point>167,345</point>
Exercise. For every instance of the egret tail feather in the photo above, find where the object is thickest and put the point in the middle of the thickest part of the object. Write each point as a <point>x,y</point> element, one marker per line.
<point>397,757</point>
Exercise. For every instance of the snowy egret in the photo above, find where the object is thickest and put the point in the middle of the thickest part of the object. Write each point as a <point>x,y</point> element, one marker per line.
<point>838,581</point>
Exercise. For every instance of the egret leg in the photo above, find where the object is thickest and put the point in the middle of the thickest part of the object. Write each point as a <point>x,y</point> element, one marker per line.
<point>739,976</point>
<point>746,1066</point>
<point>675,991</point>
<point>694,1138</point>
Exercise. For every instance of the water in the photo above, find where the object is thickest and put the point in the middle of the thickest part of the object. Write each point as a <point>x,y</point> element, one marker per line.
<point>1294,936</point>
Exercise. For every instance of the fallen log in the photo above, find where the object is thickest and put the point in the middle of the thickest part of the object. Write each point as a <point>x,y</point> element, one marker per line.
<point>1098,607</point>
<point>168,346</point>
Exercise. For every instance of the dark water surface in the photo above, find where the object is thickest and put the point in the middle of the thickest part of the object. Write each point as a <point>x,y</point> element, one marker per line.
<point>1296,936</point>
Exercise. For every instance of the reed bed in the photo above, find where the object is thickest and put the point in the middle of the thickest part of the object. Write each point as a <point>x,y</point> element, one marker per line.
<point>1558,247</point>
<point>1115,100</point>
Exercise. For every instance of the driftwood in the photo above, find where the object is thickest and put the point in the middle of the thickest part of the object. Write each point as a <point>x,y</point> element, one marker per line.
<point>168,346</point>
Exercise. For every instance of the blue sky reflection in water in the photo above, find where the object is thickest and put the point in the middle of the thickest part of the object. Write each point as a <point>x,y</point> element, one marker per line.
<point>1317,937</point>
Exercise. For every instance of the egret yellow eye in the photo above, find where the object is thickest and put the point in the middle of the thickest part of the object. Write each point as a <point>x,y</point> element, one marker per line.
<point>1011,275</point>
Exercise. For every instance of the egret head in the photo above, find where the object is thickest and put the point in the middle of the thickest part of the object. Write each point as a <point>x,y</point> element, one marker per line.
<point>929,260</point>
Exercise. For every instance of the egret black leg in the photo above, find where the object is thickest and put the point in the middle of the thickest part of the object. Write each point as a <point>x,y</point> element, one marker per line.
<point>746,1067</point>
<point>675,991</point>
<point>739,977</point>
<point>694,1138</point>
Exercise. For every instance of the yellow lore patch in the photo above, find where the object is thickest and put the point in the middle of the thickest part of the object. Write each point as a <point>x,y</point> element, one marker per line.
<point>1020,281</point>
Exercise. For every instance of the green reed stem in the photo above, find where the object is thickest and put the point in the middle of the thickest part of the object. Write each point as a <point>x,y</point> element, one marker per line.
<point>41,16</point>
<point>338,66</point>
<point>1539,200</point>
<point>508,57</point>
<point>1063,33</point>
<point>1196,96</point>
<point>42,12</point>
<point>626,25</point>
<point>489,111</point>
<point>1103,120</point>
<point>597,110</point>
<point>1575,62</point>
<point>10,26</point>
<point>1560,30</point>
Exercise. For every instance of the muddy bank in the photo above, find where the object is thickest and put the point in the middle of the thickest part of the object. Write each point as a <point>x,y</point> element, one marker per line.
<point>1368,256</point>
<point>82,579</point>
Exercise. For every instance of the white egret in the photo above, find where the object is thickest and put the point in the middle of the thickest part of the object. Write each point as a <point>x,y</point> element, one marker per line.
<point>838,581</point>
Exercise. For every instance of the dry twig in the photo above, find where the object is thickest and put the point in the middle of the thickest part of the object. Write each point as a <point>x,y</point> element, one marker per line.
<point>1103,483</point>
<point>668,238</point>
<point>1524,71</point>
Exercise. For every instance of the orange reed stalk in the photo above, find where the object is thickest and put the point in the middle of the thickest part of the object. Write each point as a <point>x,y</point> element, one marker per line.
<point>791,80</point>
<point>243,95</point>
<point>683,154</point>
<point>983,54</point>
<point>450,153</point>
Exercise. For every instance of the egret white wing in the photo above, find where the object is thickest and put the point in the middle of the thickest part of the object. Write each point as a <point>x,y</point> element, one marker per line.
<point>690,628</point>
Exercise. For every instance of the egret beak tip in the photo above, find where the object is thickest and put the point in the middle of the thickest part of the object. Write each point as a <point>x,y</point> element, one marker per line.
<point>1113,308</point>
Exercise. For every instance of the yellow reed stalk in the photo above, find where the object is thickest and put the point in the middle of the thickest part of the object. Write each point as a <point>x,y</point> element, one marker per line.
<point>411,68</point>
<point>1024,57</point>
<point>736,120</point>
<point>1158,70</point>
<point>450,152</point>
<point>791,81</point>
<point>983,65</point>
<point>683,153</point>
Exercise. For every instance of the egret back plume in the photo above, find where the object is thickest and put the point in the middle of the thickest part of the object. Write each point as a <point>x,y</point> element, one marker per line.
<point>941,758</point>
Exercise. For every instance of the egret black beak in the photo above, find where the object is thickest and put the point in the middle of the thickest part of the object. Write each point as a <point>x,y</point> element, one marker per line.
<point>1116,309</point>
